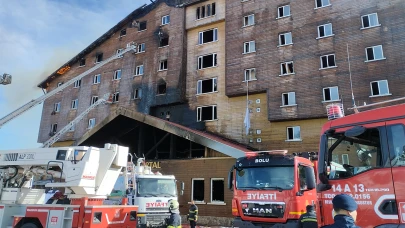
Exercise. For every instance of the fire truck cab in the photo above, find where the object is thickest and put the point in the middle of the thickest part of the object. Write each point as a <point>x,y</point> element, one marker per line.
<point>272,188</point>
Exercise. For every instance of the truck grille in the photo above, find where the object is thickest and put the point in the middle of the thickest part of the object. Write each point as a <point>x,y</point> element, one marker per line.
<point>156,219</point>
<point>11,157</point>
<point>263,209</point>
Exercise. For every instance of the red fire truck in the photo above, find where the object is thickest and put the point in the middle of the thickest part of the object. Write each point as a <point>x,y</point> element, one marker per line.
<point>272,188</point>
<point>369,150</point>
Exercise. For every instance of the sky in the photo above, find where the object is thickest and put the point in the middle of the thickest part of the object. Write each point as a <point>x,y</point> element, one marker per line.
<point>37,37</point>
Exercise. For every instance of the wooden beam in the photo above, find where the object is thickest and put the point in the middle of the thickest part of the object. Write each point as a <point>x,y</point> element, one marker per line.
<point>157,144</point>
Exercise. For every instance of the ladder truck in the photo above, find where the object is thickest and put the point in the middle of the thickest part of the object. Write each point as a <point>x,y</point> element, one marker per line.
<point>85,174</point>
<point>35,102</point>
<point>5,79</point>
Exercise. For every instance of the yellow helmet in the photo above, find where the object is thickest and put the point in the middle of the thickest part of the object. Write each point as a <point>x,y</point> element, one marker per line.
<point>173,205</point>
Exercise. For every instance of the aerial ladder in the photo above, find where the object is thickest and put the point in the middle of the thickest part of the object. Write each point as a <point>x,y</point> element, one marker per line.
<point>33,103</point>
<point>107,98</point>
<point>5,79</point>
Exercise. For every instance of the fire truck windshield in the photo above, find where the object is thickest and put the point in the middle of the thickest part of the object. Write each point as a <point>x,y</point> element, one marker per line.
<point>276,177</point>
<point>156,187</point>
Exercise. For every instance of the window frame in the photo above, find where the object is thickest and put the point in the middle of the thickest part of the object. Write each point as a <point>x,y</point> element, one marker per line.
<point>123,31</point>
<point>141,48</point>
<point>146,26</point>
<point>214,109</point>
<point>250,70</point>
<point>74,104</point>
<point>56,107</point>
<point>214,60</point>
<point>282,7</point>
<point>54,131</point>
<point>324,30</point>
<point>283,99</point>
<point>97,57</point>
<point>214,82</point>
<point>117,76</point>
<point>118,51</point>
<point>162,62</point>
<point>214,36</point>
<point>328,67</point>
<point>211,188</point>
<point>368,18</point>
<point>82,60</point>
<point>249,44</point>
<point>348,160</point>
<point>138,69</point>
<point>208,11</point>
<point>318,7</point>
<point>93,120</point>
<point>373,47</point>
<point>96,79</point>
<point>76,84</point>
<point>164,19</point>
<point>93,100</point>
<point>139,94</point>
<point>379,90</point>
<point>116,97</point>
<point>192,189</point>
<point>284,34</point>
<point>286,63</point>
<point>294,139</point>
<point>244,20</point>
<point>331,100</point>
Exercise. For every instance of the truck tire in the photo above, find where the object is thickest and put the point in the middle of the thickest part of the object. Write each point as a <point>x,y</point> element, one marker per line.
<point>29,225</point>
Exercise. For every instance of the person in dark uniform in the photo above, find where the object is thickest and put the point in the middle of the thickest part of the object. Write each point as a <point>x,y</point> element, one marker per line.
<point>308,220</point>
<point>345,209</point>
<point>193,214</point>
<point>174,221</point>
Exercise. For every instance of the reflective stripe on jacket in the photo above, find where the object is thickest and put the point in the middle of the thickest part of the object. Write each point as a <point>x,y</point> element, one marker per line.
<point>193,213</point>
<point>308,220</point>
<point>174,220</point>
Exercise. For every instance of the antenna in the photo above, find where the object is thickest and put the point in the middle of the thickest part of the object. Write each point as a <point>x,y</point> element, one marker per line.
<point>351,82</point>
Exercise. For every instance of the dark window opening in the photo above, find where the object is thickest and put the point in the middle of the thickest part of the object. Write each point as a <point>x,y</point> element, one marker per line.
<point>207,113</point>
<point>374,87</point>
<point>213,8</point>
<point>116,97</point>
<point>331,60</point>
<point>132,215</point>
<point>208,36</point>
<point>202,12</point>
<point>99,57</point>
<point>164,42</point>
<point>82,62</point>
<point>198,13</point>
<point>97,217</point>
<point>207,86</point>
<point>161,89</point>
<point>285,98</point>
<point>290,133</point>
<point>321,31</point>
<point>365,22</point>
<point>142,25</point>
<point>163,65</point>
<point>54,128</point>
<point>218,190</point>
<point>207,61</point>
<point>327,94</point>
<point>198,190</point>
<point>123,32</point>
<point>370,54</point>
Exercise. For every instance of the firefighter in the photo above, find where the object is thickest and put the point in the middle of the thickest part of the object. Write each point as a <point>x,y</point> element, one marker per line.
<point>345,210</point>
<point>308,220</point>
<point>174,221</point>
<point>193,214</point>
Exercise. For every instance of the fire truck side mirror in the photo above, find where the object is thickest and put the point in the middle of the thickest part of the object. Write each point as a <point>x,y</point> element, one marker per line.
<point>310,178</point>
<point>230,178</point>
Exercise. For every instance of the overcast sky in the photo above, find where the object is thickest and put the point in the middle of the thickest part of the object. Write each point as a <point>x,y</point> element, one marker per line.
<point>37,37</point>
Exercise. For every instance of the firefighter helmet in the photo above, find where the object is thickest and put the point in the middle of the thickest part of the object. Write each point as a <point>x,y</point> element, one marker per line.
<point>173,204</point>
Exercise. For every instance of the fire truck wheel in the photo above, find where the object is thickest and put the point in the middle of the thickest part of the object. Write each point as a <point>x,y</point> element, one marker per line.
<point>29,225</point>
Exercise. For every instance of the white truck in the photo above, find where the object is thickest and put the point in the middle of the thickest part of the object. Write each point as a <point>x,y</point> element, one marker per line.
<point>150,192</point>
<point>86,175</point>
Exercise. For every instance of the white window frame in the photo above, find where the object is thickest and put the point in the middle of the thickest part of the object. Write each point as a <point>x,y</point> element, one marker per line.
<point>97,79</point>
<point>216,202</point>
<point>74,104</point>
<point>328,67</point>
<point>249,47</point>
<point>290,95</point>
<point>139,94</point>
<point>52,127</point>
<point>76,84</point>
<point>208,13</point>
<point>284,34</point>
<point>141,48</point>
<point>286,67</point>
<point>93,100</point>
<point>347,157</point>
<point>214,57</point>
<point>125,32</point>
<point>161,64</point>
<point>330,94</point>
<point>214,82</point>
<point>214,36</point>
<point>118,51</point>
<point>318,7</point>
<point>192,189</point>
<point>72,128</point>
<point>373,47</point>
<point>166,20</point>
<point>379,88</point>
<point>117,75</point>
<point>283,7</point>
<point>294,139</point>
<point>139,70</point>
<point>213,112</point>
<point>248,75</point>
<point>56,107</point>
<point>248,17</point>
<point>114,97</point>
<point>324,30</point>
<point>91,123</point>
<point>368,18</point>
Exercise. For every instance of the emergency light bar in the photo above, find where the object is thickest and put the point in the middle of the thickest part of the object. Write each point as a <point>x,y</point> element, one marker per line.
<point>268,152</point>
<point>335,111</point>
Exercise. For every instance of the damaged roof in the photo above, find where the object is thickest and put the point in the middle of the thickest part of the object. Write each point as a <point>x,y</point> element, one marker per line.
<point>137,13</point>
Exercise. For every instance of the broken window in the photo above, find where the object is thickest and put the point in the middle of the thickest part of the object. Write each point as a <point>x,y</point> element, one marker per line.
<point>288,99</point>
<point>287,68</point>
<point>54,128</point>
<point>197,187</point>
<point>208,36</point>
<point>74,104</point>
<point>123,32</point>
<point>139,70</point>
<point>374,53</point>
<point>379,88</point>
<point>138,93</point>
<point>322,3</point>
<point>117,75</point>
<point>82,62</point>
<point>328,61</point>
<point>163,65</point>
<point>207,61</point>
<point>59,84</point>
<point>97,79</point>
<point>141,47</point>
<point>217,190</point>
<point>293,133</point>
<point>207,86</point>
<point>92,123</point>
<point>93,100</point>
<point>250,74</point>
<point>165,20</point>
<point>142,26</point>
<point>284,11</point>
<point>206,113</point>
<point>119,51</point>
<point>56,107</point>
<point>285,39</point>
<point>249,47</point>
<point>370,20</point>
<point>331,94</point>
<point>99,57</point>
<point>249,20</point>
<point>116,97</point>
<point>164,42</point>
<point>325,30</point>
<point>161,89</point>
<point>77,83</point>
